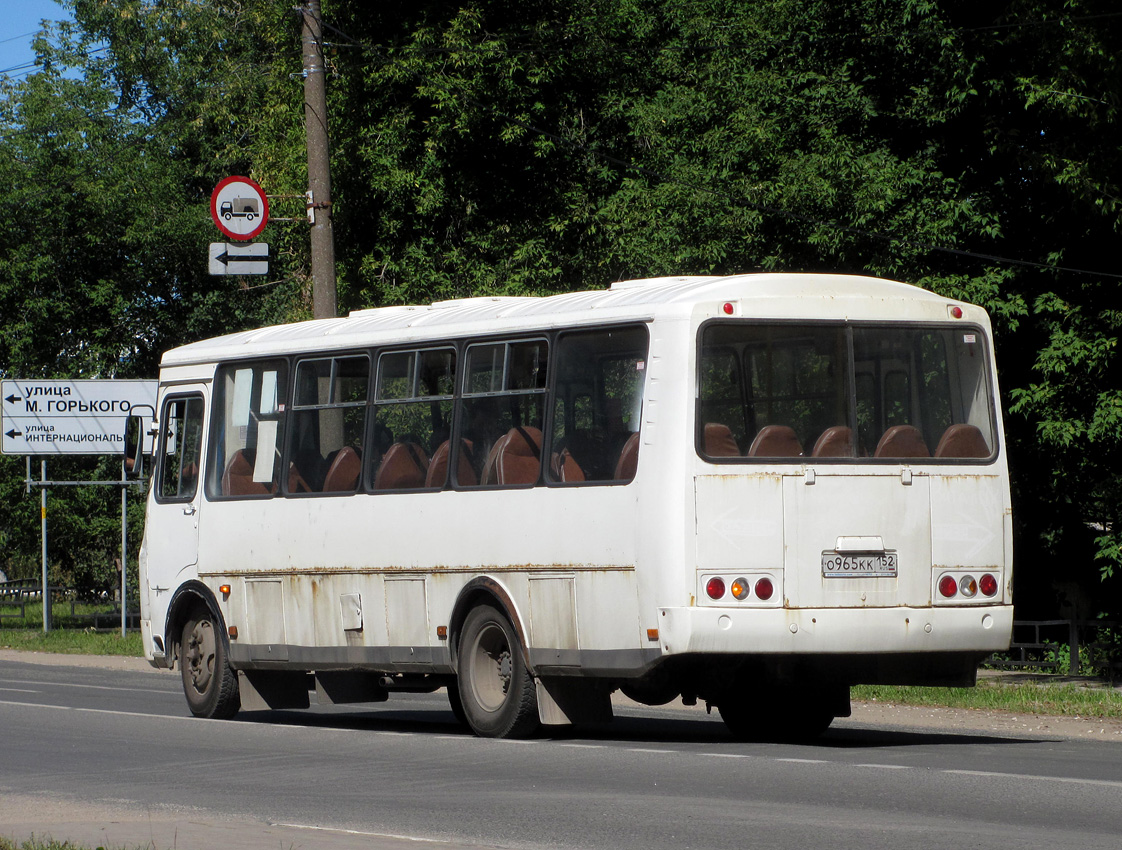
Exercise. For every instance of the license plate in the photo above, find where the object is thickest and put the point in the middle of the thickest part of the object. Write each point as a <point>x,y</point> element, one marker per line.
<point>857,565</point>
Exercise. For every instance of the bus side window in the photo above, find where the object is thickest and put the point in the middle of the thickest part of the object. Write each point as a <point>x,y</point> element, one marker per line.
<point>504,411</point>
<point>247,429</point>
<point>412,419</point>
<point>597,405</point>
<point>328,425</point>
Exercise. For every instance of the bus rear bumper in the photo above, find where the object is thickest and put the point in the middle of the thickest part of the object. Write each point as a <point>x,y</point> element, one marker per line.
<point>835,631</point>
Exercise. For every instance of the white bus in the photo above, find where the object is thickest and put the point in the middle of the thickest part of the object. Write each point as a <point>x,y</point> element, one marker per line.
<point>753,491</point>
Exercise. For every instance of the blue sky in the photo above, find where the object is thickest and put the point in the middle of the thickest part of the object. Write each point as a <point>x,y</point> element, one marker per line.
<point>21,20</point>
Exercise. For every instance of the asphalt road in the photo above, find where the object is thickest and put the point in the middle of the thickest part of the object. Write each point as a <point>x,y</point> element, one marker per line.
<point>111,757</point>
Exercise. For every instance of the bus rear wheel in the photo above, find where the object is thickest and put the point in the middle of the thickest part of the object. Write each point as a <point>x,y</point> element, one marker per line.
<point>497,692</point>
<point>210,685</point>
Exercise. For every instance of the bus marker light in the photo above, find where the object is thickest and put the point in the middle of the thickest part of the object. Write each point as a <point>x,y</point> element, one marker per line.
<point>652,635</point>
<point>740,588</point>
<point>988,585</point>
<point>233,630</point>
<point>224,590</point>
<point>968,586</point>
<point>948,587</point>
<point>442,633</point>
<point>956,312</point>
<point>764,589</point>
<point>715,587</point>
<point>729,308</point>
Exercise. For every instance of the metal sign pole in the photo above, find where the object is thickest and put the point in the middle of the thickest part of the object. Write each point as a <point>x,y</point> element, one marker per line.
<point>124,548</point>
<point>43,516</point>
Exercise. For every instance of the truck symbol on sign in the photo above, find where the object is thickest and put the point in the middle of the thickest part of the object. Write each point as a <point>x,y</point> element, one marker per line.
<point>247,208</point>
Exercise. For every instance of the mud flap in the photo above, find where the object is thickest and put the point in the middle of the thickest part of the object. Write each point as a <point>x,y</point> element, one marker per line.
<point>264,689</point>
<point>565,701</point>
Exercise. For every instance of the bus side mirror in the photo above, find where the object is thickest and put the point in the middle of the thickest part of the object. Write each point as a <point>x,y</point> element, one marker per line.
<point>140,432</point>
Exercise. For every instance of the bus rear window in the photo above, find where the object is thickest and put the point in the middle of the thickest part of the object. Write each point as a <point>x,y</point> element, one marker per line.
<point>789,390</point>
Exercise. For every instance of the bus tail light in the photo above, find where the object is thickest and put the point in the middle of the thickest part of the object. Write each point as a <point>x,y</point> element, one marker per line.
<point>715,587</point>
<point>988,585</point>
<point>968,586</point>
<point>948,586</point>
<point>740,588</point>
<point>764,589</point>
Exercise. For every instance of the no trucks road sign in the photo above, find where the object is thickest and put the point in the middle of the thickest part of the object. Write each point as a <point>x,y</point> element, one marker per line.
<point>70,417</point>
<point>239,208</point>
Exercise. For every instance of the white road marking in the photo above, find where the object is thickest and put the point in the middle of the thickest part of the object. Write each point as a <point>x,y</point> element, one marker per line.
<point>90,687</point>
<point>357,832</point>
<point>1067,780</point>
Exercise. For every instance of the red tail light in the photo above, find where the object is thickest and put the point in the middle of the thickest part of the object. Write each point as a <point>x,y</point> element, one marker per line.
<point>988,585</point>
<point>715,587</point>
<point>764,589</point>
<point>948,586</point>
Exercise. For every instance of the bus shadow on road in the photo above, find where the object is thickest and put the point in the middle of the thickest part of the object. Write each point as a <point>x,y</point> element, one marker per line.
<point>626,729</point>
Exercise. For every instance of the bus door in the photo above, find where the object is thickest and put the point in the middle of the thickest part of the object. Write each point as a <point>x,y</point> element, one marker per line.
<point>173,511</point>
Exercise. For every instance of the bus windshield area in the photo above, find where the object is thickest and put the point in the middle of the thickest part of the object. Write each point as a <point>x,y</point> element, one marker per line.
<point>844,391</point>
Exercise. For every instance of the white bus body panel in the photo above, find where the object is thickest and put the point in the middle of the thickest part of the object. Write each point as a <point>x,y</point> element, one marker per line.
<point>603,578</point>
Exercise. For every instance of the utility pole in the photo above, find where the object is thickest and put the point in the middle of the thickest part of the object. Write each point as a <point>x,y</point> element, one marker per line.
<point>319,169</point>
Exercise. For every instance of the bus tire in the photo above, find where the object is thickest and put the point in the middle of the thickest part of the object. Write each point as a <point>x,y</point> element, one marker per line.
<point>456,704</point>
<point>210,685</point>
<point>497,693</point>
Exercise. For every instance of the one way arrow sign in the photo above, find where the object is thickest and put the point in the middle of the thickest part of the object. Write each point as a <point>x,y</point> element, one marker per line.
<point>239,259</point>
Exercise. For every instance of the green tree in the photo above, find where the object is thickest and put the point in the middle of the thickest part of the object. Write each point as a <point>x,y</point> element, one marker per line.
<point>492,146</point>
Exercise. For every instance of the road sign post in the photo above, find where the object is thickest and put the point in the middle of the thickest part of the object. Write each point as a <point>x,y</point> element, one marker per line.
<point>71,418</point>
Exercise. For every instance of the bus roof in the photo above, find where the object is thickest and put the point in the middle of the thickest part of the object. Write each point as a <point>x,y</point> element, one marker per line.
<point>766,294</point>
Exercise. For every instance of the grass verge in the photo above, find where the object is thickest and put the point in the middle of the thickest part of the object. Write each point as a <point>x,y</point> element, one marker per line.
<point>1035,698</point>
<point>72,641</point>
<point>36,844</point>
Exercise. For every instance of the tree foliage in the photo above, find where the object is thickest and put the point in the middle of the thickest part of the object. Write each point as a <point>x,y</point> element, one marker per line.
<point>493,146</point>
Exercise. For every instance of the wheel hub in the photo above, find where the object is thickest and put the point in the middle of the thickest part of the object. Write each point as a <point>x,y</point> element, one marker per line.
<point>199,655</point>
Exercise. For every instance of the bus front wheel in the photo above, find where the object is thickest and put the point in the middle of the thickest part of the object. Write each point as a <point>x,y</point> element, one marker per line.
<point>497,692</point>
<point>209,684</point>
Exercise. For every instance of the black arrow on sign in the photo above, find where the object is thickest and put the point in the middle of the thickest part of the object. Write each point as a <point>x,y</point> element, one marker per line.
<point>13,398</point>
<point>13,433</point>
<point>226,258</point>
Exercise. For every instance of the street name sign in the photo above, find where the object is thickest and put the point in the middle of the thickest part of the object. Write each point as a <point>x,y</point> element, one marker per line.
<point>226,258</point>
<point>70,417</point>
<point>239,208</point>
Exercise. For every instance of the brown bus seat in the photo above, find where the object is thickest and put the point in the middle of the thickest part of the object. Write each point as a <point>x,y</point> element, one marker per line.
<point>776,441</point>
<point>438,467</point>
<point>515,458</point>
<point>718,441</point>
<point>237,480</point>
<point>902,441</point>
<point>296,481</point>
<point>835,441</point>
<point>628,461</point>
<point>962,440</point>
<point>343,474</point>
<point>404,466</point>
<point>565,467</point>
